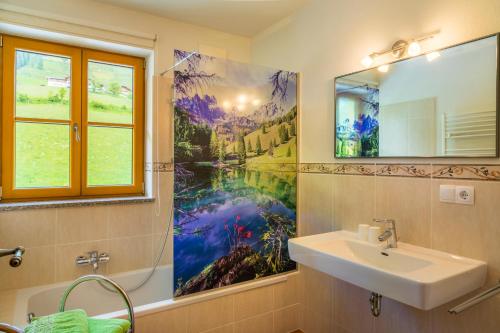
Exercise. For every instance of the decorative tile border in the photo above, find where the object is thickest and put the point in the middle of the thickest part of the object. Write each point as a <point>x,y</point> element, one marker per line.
<point>473,172</point>
<point>355,169</point>
<point>159,167</point>
<point>439,171</point>
<point>316,168</point>
<point>404,170</point>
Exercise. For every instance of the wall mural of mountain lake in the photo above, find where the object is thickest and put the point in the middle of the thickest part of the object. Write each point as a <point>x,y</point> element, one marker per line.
<point>235,183</point>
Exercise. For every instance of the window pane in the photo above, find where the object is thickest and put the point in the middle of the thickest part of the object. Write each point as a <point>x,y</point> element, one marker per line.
<point>110,93</point>
<point>42,86</point>
<point>109,156</point>
<point>42,155</point>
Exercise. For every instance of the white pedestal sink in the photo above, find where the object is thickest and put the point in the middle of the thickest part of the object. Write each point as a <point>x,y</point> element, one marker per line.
<point>413,275</point>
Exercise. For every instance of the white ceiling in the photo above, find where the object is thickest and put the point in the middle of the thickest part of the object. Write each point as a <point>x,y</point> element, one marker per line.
<point>240,17</point>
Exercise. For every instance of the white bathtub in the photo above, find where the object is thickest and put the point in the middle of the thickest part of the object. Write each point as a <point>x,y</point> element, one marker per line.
<point>154,296</point>
<point>91,297</point>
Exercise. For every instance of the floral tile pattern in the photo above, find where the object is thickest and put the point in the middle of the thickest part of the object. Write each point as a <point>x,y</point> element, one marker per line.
<point>441,171</point>
<point>404,170</point>
<point>355,169</point>
<point>159,167</point>
<point>474,172</point>
<point>316,168</point>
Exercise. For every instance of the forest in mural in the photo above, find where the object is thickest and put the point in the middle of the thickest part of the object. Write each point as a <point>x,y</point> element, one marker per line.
<point>235,172</point>
<point>357,126</point>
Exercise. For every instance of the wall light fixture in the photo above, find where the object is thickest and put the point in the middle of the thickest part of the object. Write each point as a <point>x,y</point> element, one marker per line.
<point>399,49</point>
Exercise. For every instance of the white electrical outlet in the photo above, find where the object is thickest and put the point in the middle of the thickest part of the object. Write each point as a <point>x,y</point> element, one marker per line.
<point>464,195</point>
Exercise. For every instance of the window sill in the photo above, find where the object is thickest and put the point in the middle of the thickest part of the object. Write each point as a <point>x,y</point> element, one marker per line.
<point>4,207</point>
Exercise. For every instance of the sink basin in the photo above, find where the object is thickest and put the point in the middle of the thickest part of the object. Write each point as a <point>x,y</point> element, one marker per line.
<point>417,276</point>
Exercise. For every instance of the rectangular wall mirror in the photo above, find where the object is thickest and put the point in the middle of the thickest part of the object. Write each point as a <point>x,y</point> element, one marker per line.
<point>442,104</point>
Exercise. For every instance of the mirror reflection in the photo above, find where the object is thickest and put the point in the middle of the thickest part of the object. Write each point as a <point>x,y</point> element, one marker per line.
<point>439,104</point>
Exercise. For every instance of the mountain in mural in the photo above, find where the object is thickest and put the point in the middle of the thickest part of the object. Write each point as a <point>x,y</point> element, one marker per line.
<point>235,144</point>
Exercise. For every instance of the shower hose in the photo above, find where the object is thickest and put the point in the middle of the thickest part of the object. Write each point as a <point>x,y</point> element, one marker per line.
<point>156,263</point>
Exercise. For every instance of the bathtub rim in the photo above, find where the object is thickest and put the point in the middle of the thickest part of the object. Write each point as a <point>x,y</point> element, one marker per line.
<point>23,295</point>
<point>173,303</point>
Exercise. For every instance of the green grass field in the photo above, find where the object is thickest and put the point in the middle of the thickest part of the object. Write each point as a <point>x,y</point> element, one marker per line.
<point>43,150</point>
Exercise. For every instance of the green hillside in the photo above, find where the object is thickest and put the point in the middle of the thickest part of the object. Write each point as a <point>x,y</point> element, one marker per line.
<point>37,99</point>
<point>42,150</point>
<point>280,152</point>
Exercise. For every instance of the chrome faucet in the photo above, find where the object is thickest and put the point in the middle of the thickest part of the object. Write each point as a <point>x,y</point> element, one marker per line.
<point>94,259</point>
<point>17,255</point>
<point>390,235</point>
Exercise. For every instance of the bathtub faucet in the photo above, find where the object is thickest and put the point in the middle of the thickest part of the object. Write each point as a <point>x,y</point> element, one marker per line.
<point>17,255</point>
<point>94,258</point>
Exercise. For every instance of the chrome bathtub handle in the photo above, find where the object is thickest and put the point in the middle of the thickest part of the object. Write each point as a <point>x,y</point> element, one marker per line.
<point>94,277</point>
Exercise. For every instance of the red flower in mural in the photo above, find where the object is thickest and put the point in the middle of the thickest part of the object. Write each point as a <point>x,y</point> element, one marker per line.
<point>238,217</point>
<point>238,234</point>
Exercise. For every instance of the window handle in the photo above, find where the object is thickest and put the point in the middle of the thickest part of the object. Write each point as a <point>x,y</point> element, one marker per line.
<point>76,129</point>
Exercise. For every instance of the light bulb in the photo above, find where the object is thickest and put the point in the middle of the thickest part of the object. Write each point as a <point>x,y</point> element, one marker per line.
<point>242,99</point>
<point>414,49</point>
<point>367,61</point>
<point>383,68</point>
<point>432,56</point>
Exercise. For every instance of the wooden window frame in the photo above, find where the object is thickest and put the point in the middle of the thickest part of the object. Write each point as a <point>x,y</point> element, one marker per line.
<point>78,116</point>
<point>137,124</point>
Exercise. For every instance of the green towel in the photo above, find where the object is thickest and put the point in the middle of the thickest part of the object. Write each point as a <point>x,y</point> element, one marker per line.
<point>72,321</point>
<point>108,325</point>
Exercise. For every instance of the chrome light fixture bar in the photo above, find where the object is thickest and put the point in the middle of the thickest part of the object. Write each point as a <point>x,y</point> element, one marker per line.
<point>399,49</point>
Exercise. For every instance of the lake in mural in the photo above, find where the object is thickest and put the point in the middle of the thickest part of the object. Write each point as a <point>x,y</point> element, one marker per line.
<point>235,172</point>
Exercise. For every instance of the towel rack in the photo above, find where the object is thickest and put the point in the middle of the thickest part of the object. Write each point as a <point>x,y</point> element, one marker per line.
<point>94,277</point>
<point>470,133</point>
<point>476,299</point>
<point>9,328</point>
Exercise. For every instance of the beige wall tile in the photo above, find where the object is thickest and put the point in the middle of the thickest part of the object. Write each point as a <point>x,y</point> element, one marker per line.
<point>352,310</point>
<point>130,220</point>
<point>317,299</point>
<point>8,298</point>
<point>223,329</point>
<point>210,314</point>
<point>259,324</point>
<point>287,319</point>
<point>253,302</point>
<point>482,318</point>
<point>288,292</point>
<point>80,224</point>
<point>171,321</point>
<point>130,253</point>
<point>400,318</point>
<point>472,231</point>
<point>38,268</point>
<point>338,329</point>
<point>162,206</point>
<point>167,255</point>
<point>315,203</point>
<point>408,201</point>
<point>29,228</point>
<point>66,268</point>
<point>354,201</point>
